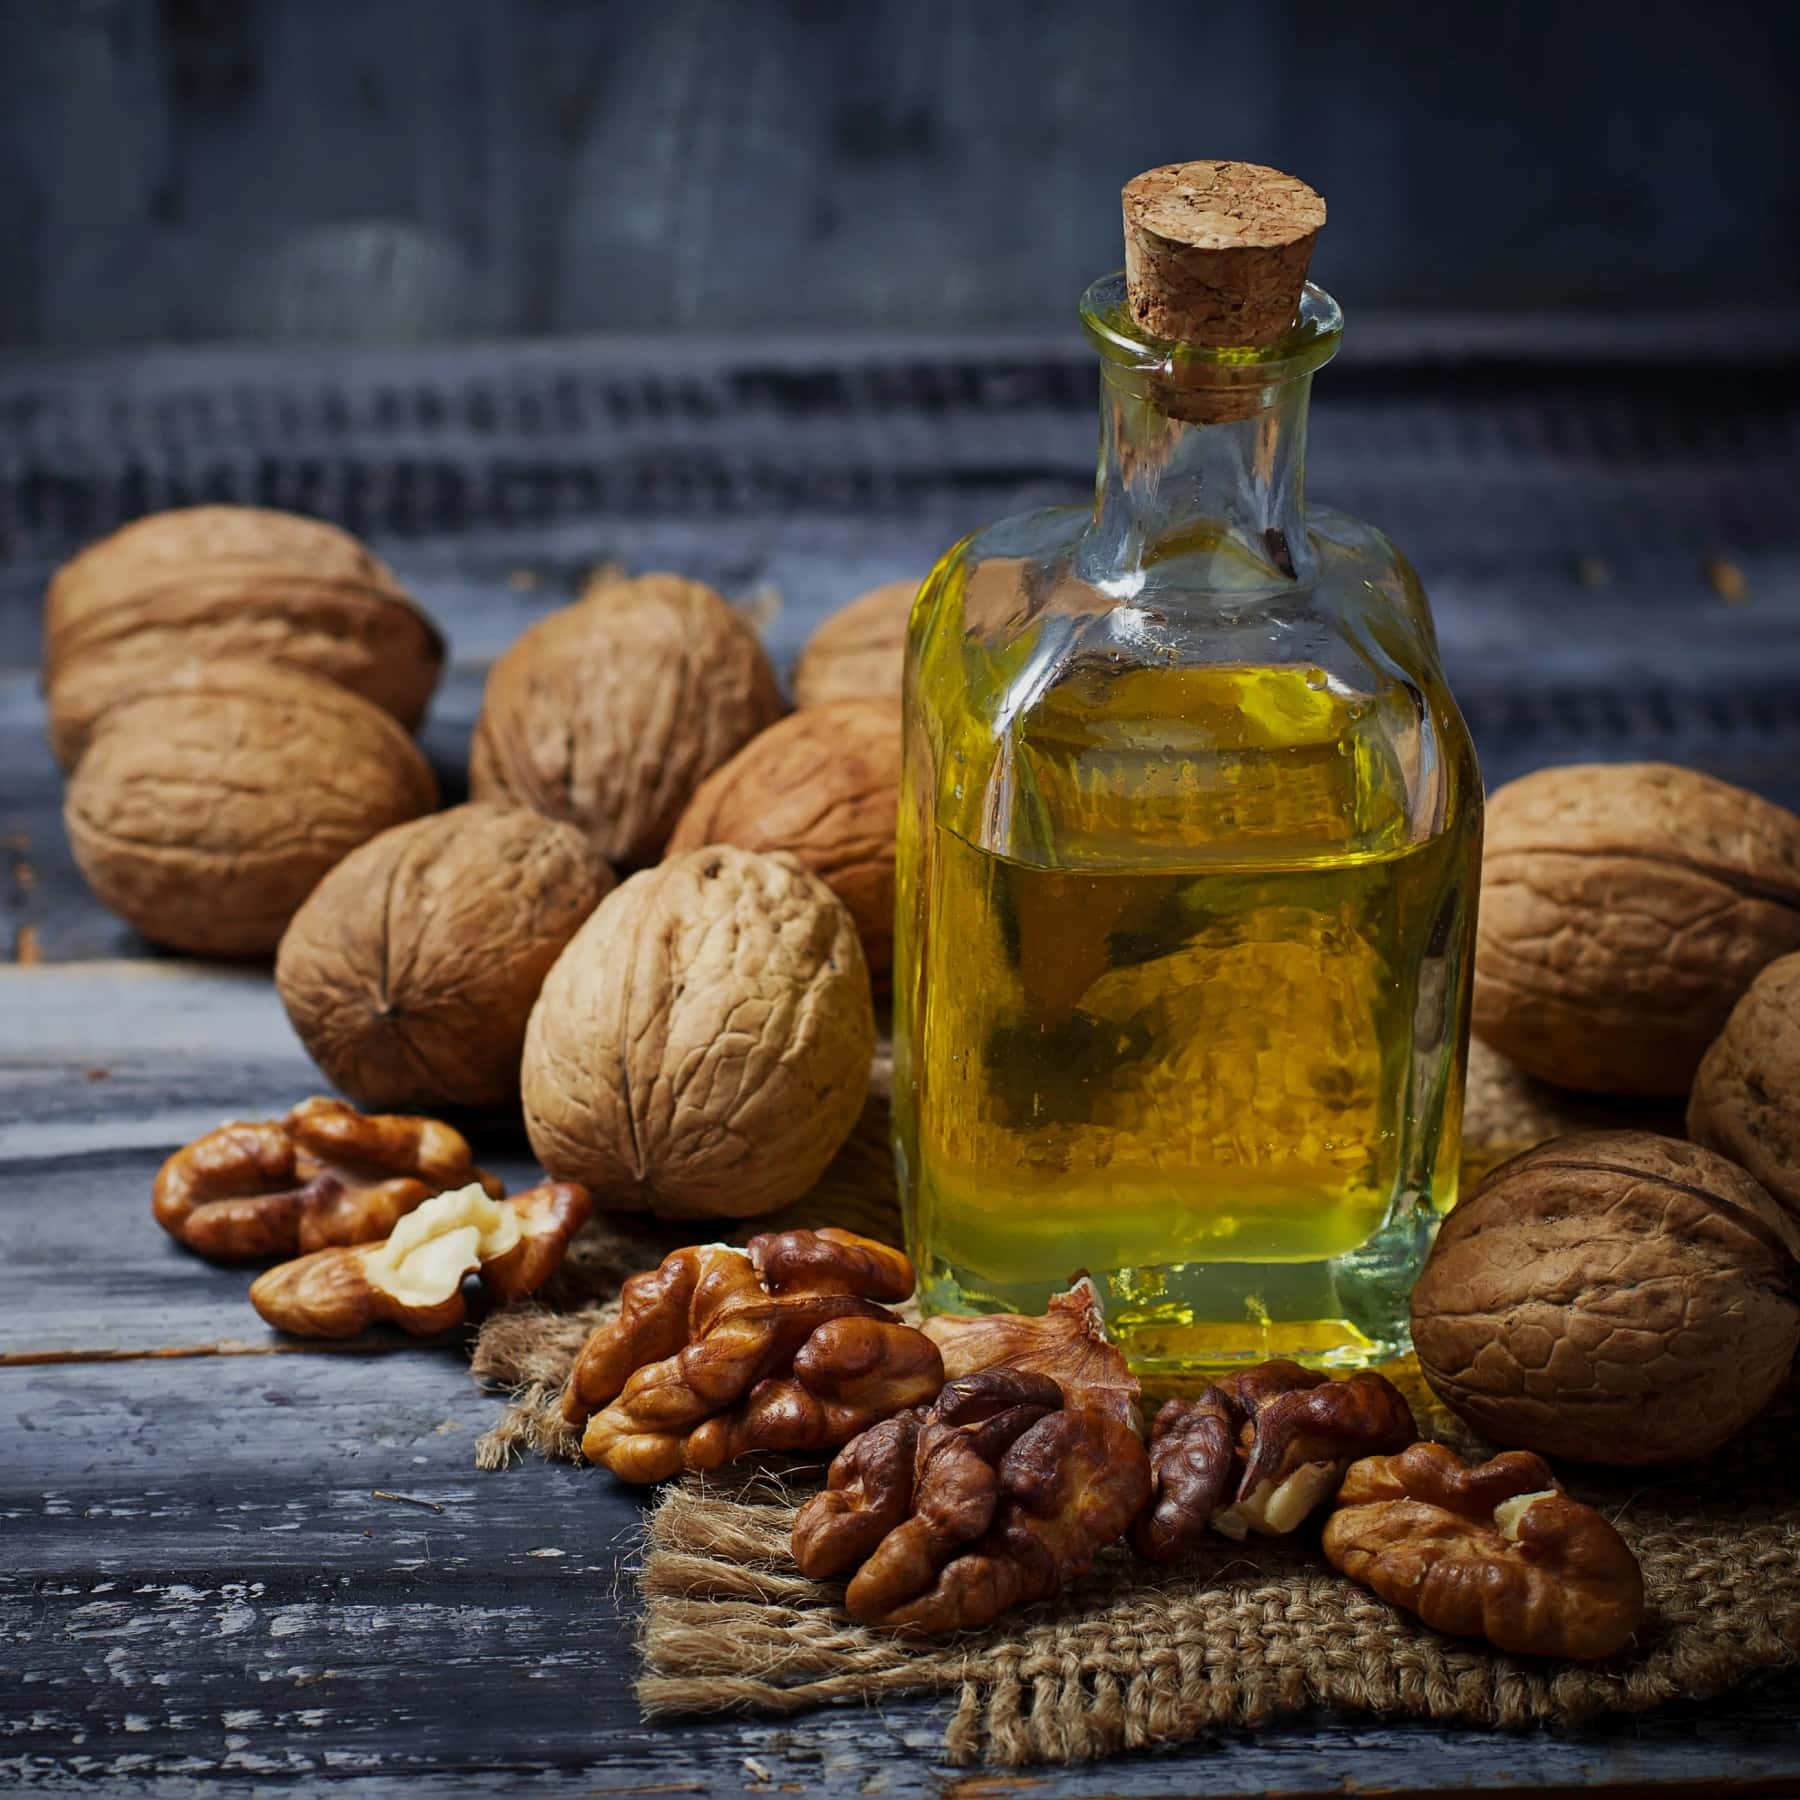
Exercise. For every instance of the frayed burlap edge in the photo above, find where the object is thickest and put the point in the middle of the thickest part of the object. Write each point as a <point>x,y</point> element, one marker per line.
<point>1242,1635</point>
<point>1134,1657</point>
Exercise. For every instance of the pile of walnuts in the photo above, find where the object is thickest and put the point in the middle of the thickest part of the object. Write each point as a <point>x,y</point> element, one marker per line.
<point>658,928</point>
<point>985,1464</point>
<point>1622,1296</point>
<point>659,924</point>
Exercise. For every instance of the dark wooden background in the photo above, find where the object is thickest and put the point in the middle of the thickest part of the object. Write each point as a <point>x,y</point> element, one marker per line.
<point>391,170</point>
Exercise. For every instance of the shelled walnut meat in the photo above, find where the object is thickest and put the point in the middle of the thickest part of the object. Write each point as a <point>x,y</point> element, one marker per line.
<point>1746,1098</point>
<point>1493,1551</point>
<point>823,785</point>
<point>203,583</point>
<point>1612,1297</point>
<point>995,1495</point>
<point>610,712</point>
<point>859,652</point>
<point>702,1046</point>
<point>204,812</point>
<point>410,971</point>
<point>1624,909</point>
<point>1067,1342</point>
<point>325,1174</point>
<point>1260,1450</point>
<point>718,1353</point>
<point>414,1279</point>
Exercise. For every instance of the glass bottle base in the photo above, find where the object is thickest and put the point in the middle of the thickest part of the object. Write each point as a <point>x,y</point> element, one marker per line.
<point>1179,1323</point>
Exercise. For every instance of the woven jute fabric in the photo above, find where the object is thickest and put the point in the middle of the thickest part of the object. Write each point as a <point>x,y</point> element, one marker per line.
<point>1133,1656</point>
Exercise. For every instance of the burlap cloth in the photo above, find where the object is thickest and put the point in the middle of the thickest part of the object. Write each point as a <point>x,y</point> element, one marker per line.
<point>1134,1656</point>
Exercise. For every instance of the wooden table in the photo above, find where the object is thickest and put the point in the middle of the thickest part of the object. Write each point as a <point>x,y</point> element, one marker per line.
<point>227,1560</point>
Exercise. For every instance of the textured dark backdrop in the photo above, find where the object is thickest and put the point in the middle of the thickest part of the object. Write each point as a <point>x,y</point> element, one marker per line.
<point>384,170</point>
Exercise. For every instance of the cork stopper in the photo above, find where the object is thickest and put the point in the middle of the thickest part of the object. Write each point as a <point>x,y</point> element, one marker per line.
<point>1216,252</point>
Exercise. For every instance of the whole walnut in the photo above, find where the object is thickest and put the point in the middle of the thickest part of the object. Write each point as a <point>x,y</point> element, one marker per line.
<point>610,712</point>
<point>1746,1099</point>
<point>411,969</point>
<point>859,653</point>
<point>1612,1296</point>
<point>824,785</point>
<point>205,812</point>
<point>1623,911</point>
<point>206,582</point>
<point>703,1045</point>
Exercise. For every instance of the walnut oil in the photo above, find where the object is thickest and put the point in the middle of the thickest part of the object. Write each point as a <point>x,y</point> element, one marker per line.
<point>1189,849</point>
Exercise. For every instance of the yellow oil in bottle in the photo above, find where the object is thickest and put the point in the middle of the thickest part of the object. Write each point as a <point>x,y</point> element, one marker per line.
<point>1186,1009</point>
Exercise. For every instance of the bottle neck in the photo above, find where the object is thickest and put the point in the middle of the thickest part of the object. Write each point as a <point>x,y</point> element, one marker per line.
<point>1216,474</point>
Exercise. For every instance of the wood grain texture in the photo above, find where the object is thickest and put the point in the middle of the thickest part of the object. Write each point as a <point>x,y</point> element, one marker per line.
<point>201,1586</point>
<point>323,168</point>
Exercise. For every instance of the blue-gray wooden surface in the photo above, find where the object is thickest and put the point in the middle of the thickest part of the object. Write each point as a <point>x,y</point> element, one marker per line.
<point>388,170</point>
<point>196,1582</point>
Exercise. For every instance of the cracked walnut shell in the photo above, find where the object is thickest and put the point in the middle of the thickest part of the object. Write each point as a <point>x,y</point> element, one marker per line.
<point>994,1496</point>
<point>203,583</point>
<point>326,1174</point>
<point>823,785</point>
<point>410,971</point>
<point>859,652</point>
<point>204,812</point>
<point>611,712</point>
<point>1261,1449</point>
<point>1493,1551</point>
<point>1624,909</point>
<point>414,1279</point>
<point>1746,1098</point>
<point>720,1352</point>
<point>1611,1296</point>
<point>702,1046</point>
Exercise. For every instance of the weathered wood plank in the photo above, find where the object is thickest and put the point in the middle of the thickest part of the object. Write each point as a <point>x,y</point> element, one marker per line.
<point>199,1582</point>
<point>104,1069</point>
<point>818,471</point>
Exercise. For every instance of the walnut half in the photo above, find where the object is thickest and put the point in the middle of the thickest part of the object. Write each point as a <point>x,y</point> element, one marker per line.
<point>414,1279</point>
<point>325,1174</point>
<point>995,1496</point>
<point>719,1352</point>
<point>1261,1450</point>
<point>1495,1550</point>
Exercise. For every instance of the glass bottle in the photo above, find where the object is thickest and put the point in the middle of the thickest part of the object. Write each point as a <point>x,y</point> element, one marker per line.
<point>1189,847</point>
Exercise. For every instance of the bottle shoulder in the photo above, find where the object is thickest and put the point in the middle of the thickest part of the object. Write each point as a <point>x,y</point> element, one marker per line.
<point>1040,685</point>
<point>1027,591</point>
